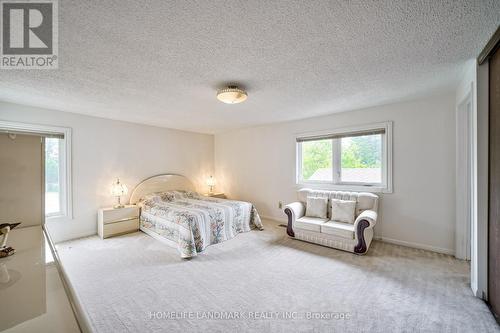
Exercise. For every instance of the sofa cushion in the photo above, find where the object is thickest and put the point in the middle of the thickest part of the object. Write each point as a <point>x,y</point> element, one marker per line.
<point>316,207</point>
<point>309,223</point>
<point>343,210</point>
<point>339,229</point>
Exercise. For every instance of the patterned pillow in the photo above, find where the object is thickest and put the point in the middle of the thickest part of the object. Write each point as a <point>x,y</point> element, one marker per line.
<point>316,207</point>
<point>167,196</point>
<point>343,210</point>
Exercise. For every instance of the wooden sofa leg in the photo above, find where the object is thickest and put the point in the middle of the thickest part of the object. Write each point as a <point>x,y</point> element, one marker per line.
<point>360,248</point>
<point>289,229</point>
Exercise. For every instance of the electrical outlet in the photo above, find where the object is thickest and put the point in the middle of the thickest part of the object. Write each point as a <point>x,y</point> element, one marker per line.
<point>280,204</point>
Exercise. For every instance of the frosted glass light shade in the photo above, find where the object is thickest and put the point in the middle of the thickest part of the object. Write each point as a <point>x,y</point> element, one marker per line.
<point>211,181</point>
<point>231,95</point>
<point>118,189</point>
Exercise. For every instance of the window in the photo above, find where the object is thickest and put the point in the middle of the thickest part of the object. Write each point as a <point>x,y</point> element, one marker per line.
<point>53,188</point>
<point>317,162</point>
<point>57,175</point>
<point>361,159</point>
<point>350,159</point>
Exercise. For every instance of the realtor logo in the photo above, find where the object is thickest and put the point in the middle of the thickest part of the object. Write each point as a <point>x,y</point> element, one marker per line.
<point>29,34</point>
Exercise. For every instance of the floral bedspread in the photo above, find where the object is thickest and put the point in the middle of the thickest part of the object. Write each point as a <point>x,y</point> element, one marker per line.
<point>194,221</point>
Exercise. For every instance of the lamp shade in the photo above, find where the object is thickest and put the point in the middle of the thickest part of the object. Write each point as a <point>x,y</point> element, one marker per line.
<point>118,189</point>
<point>232,95</point>
<point>211,181</point>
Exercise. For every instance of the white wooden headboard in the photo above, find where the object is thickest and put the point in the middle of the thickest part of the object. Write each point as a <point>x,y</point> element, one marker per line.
<point>160,183</point>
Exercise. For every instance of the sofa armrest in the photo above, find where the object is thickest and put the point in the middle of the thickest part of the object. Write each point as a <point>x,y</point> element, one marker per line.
<point>294,211</point>
<point>366,220</point>
<point>368,215</point>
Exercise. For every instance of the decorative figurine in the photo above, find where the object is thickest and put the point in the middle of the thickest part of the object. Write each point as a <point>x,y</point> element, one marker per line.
<point>5,250</point>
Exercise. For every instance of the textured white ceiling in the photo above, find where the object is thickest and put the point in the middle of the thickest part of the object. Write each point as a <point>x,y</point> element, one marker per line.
<point>160,62</point>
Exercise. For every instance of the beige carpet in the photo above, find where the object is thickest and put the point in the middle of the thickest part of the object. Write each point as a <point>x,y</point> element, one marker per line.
<point>263,281</point>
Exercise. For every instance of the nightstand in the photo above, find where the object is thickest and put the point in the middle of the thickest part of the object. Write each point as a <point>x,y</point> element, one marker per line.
<point>117,221</point>
<point>219,195</point>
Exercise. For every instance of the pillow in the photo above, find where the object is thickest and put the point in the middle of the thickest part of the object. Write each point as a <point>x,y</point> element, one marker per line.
<point>316,207</point>
<point>343,210</point>
<point>151,197</point>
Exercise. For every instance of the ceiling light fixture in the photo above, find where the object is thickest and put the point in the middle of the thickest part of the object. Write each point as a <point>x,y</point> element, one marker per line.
<point>231,95</point>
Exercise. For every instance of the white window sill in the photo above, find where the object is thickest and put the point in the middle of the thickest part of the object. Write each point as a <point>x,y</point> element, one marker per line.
<point>56,218</point>
<point>345,187</point>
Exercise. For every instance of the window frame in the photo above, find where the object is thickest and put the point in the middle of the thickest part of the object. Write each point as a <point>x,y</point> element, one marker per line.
<point>63,207</point>
<point>336,184</point>
<point>66,197</point>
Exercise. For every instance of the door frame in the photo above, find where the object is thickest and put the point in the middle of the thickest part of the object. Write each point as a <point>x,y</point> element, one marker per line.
<point>465,180</point>
<point>483,106</point>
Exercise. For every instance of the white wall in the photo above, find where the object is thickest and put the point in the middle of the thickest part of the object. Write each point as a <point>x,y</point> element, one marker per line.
<point>465,152</point>
<point>105,149</point>
<point>258,165</point>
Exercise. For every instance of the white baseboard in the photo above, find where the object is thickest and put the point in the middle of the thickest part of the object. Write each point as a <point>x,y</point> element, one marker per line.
<point>383,239</point>
<point>416,245</point>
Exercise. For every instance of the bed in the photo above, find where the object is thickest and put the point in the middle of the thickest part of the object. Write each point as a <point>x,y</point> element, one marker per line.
<point>174,213</point>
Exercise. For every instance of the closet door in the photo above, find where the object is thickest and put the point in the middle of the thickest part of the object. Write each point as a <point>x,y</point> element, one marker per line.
<point>21,179</point>
<point>494,186</point>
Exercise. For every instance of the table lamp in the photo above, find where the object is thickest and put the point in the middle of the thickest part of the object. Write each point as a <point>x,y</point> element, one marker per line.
<point>117,190</point>
<point>211,183</point>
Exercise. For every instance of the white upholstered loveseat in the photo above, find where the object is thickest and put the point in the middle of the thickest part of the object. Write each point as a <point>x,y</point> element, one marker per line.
<point>354,238</point>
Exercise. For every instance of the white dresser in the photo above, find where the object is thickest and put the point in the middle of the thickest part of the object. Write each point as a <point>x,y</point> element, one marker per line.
<point>117,221</point>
